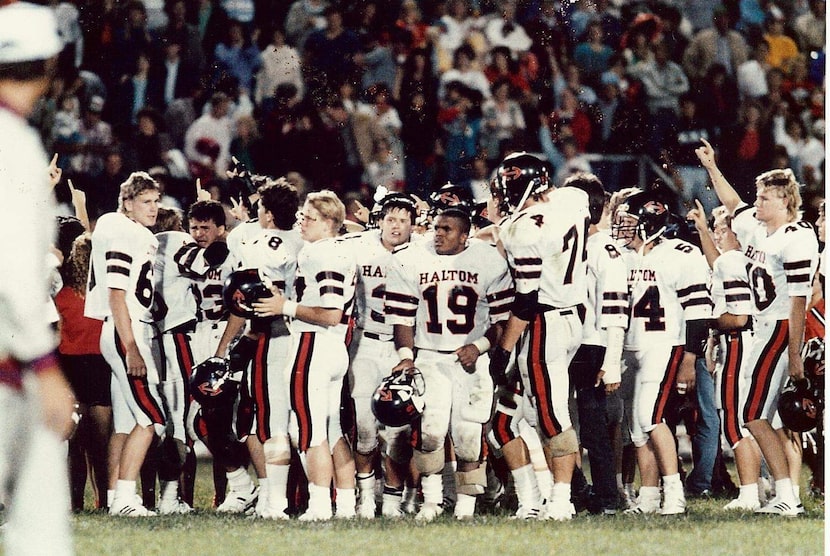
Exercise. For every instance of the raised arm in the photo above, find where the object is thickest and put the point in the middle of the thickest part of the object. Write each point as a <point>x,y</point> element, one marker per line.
<point>726,193</point>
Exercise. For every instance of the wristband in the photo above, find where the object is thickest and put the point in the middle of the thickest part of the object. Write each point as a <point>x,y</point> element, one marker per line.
<point>406,353</point>
<point>289,309</point>
<point>483,344</point>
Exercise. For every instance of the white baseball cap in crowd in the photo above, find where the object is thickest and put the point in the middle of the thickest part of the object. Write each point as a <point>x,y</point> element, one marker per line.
<point>28,32</point>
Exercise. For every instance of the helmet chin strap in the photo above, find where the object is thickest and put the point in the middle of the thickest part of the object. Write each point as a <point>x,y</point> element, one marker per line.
<point>524,196</point>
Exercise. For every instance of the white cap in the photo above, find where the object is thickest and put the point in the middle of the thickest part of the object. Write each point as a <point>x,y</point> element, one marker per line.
<point>28,32</point>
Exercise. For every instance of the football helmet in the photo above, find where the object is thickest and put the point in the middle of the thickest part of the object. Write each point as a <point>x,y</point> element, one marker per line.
<point>211,384</point>
<point>399,399</point>
<point>450,195</point>
<point>799,406</point>
<point>518,177</point>
<point>389,201</point>
<point>647,218</point>
<point>813,355</point>
<point>241,289</point>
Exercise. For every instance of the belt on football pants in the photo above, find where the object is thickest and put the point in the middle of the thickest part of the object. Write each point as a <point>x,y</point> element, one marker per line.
<point>578,310</point>
<point>376,336</point>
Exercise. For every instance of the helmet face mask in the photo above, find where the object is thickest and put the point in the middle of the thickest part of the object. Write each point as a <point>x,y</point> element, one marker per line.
<point>211,383</point>
<point>642,216</point>
<point>624,228</point>
<point>519,177</point>
<point>399,398</point>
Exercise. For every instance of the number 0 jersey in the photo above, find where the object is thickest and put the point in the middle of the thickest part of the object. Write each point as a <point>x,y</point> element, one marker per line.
<point>545,245</point>
<point>667,287</point>
<point>780,265</point>
<point>451,300</point>
<point>123,255</point>
<point>325,278</point>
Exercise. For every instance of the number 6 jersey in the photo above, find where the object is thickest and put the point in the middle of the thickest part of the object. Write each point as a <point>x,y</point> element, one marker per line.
<point>123,255</point>
<point>779,265</point>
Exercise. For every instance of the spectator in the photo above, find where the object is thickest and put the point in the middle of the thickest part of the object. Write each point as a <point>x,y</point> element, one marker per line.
<point>791,133</point>
<point>303,18</point>
<point>502,120</point>
<point>454,28</point>
<point>130,39</point>
<point>148,144</point>
<point>247,146</point>
<point>96,139</point>
<point>465,72</point>
<point>329,54</point>
<point>174,76</point>
<point>238,56</point>
<point>415,76</point>
<point>280,64</point>
<point>747,148</point>
<point>214,131</point>
<point>211,21</point>
<point>592,55</point>
<point>385,169</point>
<point>133,94</point>
<point>410,22</point>
<point>376,63</point>
<point>419,133</point>
<point>505,30</point>
<point>460,120</point>
<point>717,98</point>
<point>810,27</point>
<point>782,49</point>
<point>752,74</point>
<point>384,115</point>
<point>569,120</point>
<point>179,31</point>
<point>716,44</point>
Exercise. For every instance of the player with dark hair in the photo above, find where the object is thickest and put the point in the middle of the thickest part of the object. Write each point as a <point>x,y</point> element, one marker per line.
<point>446,300</point>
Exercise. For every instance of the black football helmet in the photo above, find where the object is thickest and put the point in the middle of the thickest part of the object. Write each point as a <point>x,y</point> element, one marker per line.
<point>450,195</point>
<point>799,406</point>
<point>241,289</point>
<point>399,399</point>
<point>651,213</point>
<point>518,177</point>
<point>390,201</point>
<point>211,384</point>
<point>813,355</point>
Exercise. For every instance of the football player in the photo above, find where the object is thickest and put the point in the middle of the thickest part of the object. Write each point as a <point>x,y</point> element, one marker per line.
<point>732,299</point>
<point>781,253</point>
<point>446,299</point>
<point>373,352</point>
<point>545,244</point>
<point>120,292</point>
<point>318,361</point>
<point>174,307</point>
<point>670,307</point>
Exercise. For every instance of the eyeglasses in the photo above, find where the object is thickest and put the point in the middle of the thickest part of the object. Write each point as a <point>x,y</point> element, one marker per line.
<point>303,216</point>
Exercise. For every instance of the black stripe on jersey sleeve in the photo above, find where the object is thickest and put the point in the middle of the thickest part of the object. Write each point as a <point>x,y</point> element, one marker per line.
<point>113,269</point>
<point>524,261</point>
<point>727,284</point>
<point>696,301</point>
<point>329,275</point>
<point>615,296</point>
<point>528,275</point>
<point>682,292</point>
<point>614,310</point>
<point>401,298</point>
<point>119,256</point>
<point>796,265</point>
<point>742,209</point>
<point>797,278</point>
<point>737,297</point>
<point>399,311</point>
<point>331,290</point>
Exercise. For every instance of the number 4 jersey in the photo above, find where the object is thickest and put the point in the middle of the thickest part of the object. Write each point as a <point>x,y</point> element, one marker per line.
<point>123,254</point>
<point>450,299</point>
<point>668,286</point>
<point>779,265</point>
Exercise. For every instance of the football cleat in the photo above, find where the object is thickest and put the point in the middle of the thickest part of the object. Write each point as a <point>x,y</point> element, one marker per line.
<point>366,509</point>
<point>273,514</point>
<point>776,506</point>
<point>237,502</point>
<point>559,510</point>
<point>673,505</point>
<point>647,506</point>
<point>131,507</point>
<point>429,512</point>
<point>315,515</point>
<point>739,504</point>
<point>174,507</point>
<point>526,513</point>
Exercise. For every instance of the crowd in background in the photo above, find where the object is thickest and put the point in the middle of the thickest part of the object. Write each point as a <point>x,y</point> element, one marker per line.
<point>412,94</point>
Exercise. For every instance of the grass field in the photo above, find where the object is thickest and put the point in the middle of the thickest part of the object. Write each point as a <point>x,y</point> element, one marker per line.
<point>705,530</point>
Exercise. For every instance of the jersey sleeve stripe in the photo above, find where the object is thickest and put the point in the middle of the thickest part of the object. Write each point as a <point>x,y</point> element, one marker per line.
<point>727,284</point>
<point>739,210</point>
<point>796,265</point>
<point>334,290</point>
<point>798,278</point>
<point>689,290</point>
<point>329,275</point>
<point>529,275</point>
<point>399,297</point>
<point>527,261</point>
<point>696,301</point>
<point>119,256</point>
<point>737,297</point>
<point>614,310</point>
<point>615,296</point>
<point>113,269</point>
<point>400,311</point>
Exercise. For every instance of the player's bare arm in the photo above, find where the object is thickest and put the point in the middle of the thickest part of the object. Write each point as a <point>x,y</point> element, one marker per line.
<point>281,305</point>
<point>123,325</point>
<point>404,336</point>
<point>233,328</point>
<point>798,317</point>
<point>724,190</point>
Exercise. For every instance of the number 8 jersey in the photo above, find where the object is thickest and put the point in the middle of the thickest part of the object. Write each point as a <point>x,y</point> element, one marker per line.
<point>779,265</point>
<point>123,255</point>
<point>667,286</point>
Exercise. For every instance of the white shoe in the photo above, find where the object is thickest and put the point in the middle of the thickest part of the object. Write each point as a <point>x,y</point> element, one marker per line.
<point>172,507</point>
<point>644,507</point>
<point>743,505</point>
<point>366,509</point>
<point>272,513</point>
<point>559,510</point>
<point>391,510</point>
<point>429,512</point>
<point>237,502</point>
<point>312,515</point>
<point>629,497</point>
<point>344,513</point>
<point>674,504</point>
<point>776,506</point>
<point>410,502</point>
<point>526,513</point>
<point>131,507</point>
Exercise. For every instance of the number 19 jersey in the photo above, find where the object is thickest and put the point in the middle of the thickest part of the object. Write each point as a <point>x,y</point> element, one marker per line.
<point>123,255</point>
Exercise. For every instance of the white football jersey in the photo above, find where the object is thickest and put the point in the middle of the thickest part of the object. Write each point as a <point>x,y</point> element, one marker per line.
<point>607,289</point>
<point>325,278</point>
<point>730,285</point>
<point>373,261</point>
<point>779,266</point>
<point>451,300</point>
<point>545,245</point>
<point>123,256</point>
<point>174,302</point>
<point>667,286</point>
<point>274,253</point>
<point>208,278</point>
